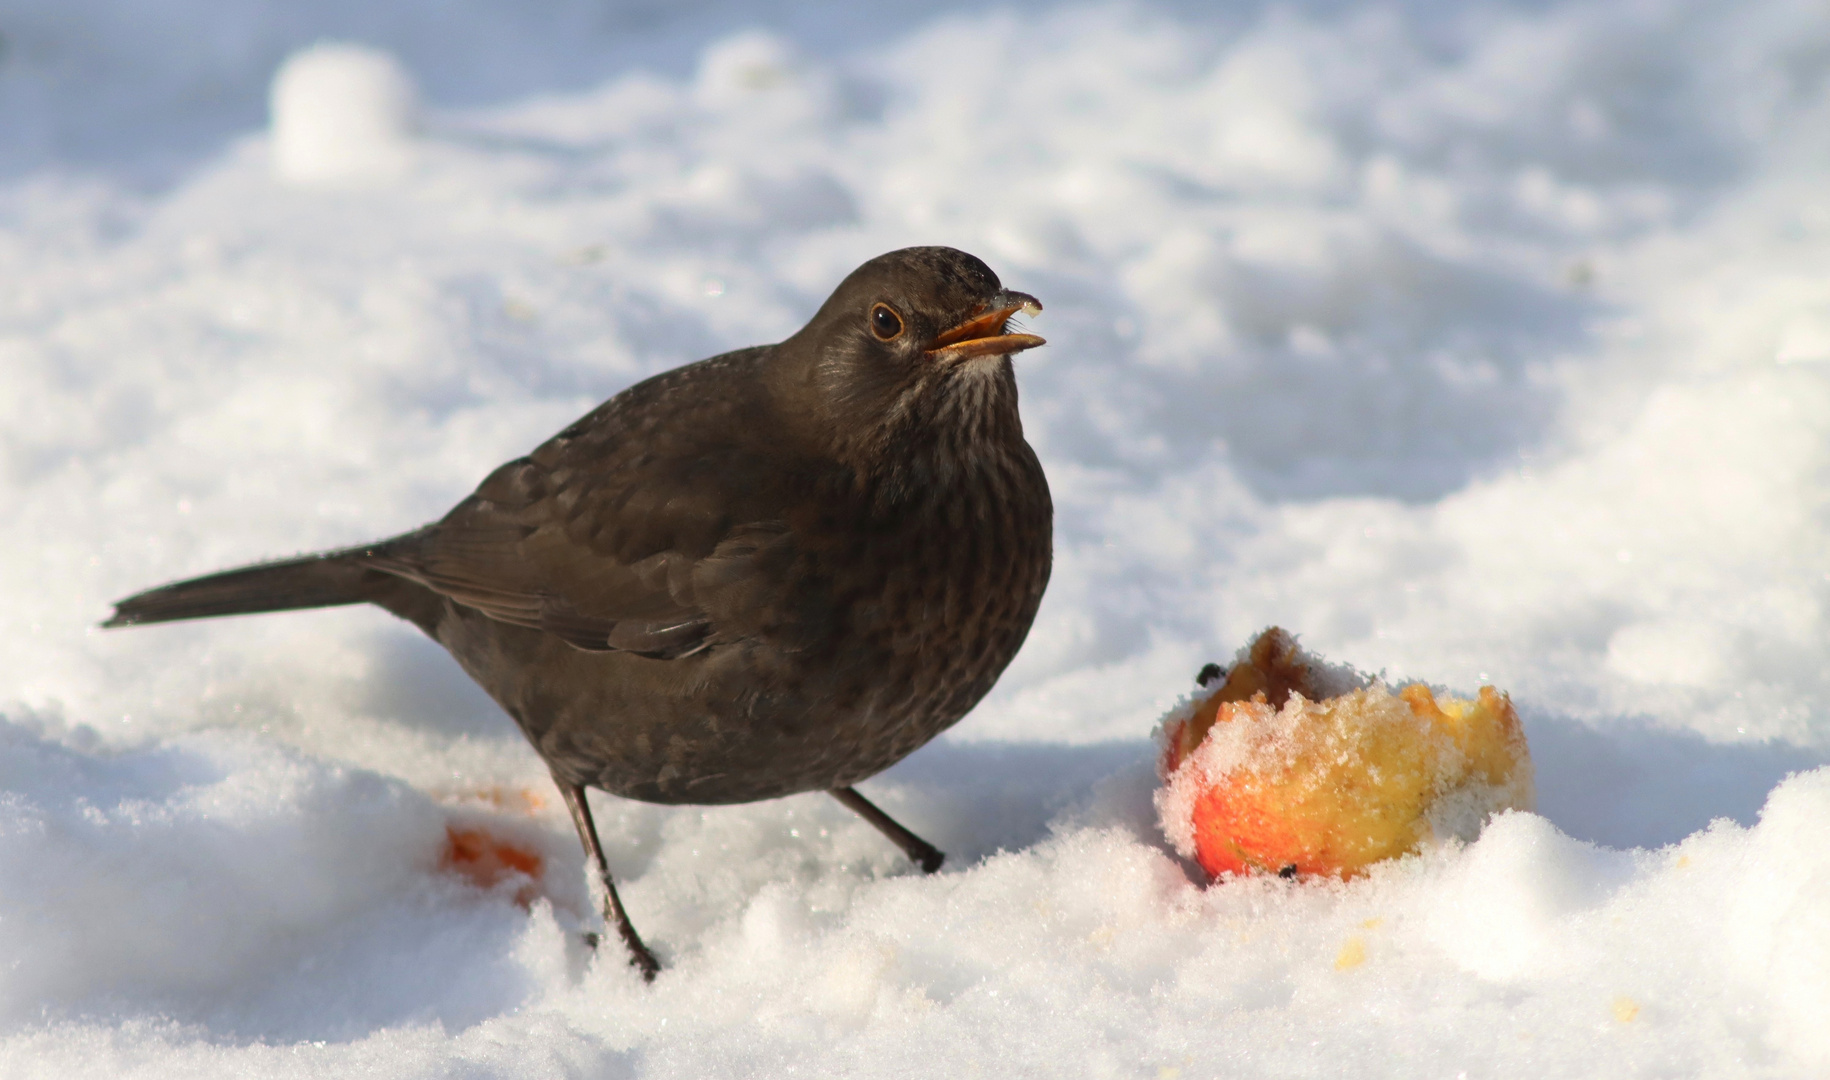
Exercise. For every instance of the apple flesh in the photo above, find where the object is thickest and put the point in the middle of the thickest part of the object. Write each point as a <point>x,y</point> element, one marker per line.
<point>1272,772</point>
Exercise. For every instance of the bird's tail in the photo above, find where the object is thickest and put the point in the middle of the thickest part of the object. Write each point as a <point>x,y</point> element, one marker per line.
<point>326,580</point>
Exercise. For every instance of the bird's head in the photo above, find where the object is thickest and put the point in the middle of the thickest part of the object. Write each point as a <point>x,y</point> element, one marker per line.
<point>917,335</point>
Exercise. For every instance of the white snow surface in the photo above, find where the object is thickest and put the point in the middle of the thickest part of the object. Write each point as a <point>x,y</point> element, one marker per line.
<point>342,115</point>
<point>1481,343</point>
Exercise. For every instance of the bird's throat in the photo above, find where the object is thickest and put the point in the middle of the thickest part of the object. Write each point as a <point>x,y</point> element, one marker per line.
<point>944,435</point>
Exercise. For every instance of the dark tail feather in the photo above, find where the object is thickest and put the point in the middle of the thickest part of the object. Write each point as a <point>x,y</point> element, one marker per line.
<point>327,580</point>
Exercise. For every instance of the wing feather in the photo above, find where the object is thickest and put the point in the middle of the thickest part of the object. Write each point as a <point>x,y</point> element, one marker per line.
<point>647,527</point>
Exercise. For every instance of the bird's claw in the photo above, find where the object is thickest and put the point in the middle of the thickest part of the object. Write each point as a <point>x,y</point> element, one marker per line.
<point>639,957</point>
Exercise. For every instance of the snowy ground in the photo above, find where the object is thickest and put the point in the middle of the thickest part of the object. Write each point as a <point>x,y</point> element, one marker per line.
<point>1475,344</point>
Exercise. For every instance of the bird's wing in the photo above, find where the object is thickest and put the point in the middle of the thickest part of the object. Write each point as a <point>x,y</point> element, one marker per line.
<point>534,576</point>
<point>646,527</point>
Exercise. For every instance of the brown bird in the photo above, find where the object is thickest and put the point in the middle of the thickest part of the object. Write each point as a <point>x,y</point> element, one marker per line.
<point>777,570</point>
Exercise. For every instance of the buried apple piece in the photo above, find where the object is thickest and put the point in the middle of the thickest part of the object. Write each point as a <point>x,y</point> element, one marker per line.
<point>1285,764</point>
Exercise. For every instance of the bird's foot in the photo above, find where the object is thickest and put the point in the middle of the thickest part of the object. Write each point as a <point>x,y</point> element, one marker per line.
<point>640,958</point>
<point>930,859</point>
<point>919,851</point>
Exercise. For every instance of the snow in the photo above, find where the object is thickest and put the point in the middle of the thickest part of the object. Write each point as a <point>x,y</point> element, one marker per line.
<point>342,114</point>
<point>1474,344</point>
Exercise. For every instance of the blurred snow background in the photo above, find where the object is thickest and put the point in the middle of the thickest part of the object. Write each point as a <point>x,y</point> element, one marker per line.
<point>1474,343</point>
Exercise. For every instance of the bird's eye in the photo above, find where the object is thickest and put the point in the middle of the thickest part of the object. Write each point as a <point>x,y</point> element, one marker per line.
<point>885,323</point>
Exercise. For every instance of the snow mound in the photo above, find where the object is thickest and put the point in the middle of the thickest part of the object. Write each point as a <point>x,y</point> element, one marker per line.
<point>342,114</point>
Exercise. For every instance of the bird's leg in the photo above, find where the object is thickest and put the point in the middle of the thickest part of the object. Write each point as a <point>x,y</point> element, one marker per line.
<point>639,956</point>
<point>924,854</point>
